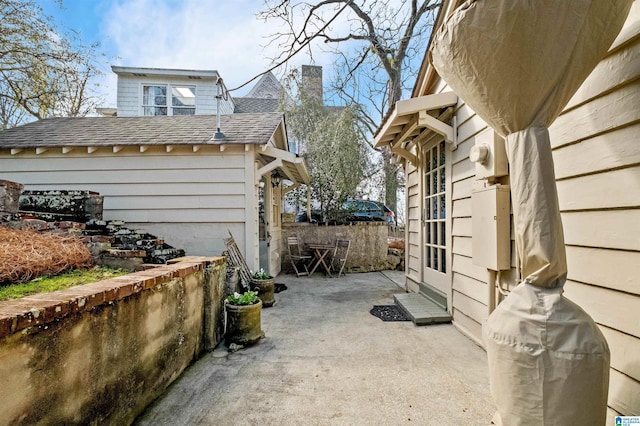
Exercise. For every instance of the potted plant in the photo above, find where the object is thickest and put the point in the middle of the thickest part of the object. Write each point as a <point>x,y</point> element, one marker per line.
<point>243,318</point>
<point>264,284</point>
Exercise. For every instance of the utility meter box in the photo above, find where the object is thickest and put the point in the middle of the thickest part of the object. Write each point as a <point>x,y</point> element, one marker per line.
<point>489,155</point>
<point>491,230</point>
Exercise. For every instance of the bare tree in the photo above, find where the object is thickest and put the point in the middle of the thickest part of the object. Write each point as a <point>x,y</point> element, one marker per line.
<point>373,43</point>
<point>44,72</point>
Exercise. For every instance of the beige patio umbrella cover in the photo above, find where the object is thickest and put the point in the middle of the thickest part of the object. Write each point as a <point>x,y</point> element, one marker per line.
<point>517,63</point>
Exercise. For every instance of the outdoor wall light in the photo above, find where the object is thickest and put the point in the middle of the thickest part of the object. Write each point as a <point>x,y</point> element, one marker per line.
<point>275,179</point>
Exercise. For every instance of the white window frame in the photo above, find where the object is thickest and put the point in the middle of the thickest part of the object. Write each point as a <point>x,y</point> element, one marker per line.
<point>168,98</point>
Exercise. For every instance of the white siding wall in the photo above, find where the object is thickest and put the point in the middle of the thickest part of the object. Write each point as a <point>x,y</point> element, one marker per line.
<point>596,149</point>
<point>413,241</point>
<point>469,288</point>
<point>189,199</point>
<point>467,298</point>
<point>596,145</point>
<point>597,158</point>
<point>130,94</point>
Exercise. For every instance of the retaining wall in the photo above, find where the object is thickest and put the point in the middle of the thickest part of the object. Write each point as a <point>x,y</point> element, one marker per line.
<point>100,353</point>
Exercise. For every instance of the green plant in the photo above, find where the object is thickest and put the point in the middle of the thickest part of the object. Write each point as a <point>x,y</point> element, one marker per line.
<point>59,282</point>
<point>261,275</point>
<point>247,298</point>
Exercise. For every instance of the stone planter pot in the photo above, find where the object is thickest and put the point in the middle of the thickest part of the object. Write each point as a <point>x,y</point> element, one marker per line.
<point>243,324</point>
<point>265,289</point>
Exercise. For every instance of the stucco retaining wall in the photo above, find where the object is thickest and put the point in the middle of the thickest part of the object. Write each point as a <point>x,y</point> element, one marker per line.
<point>368,251</point>
<point>100,353</point>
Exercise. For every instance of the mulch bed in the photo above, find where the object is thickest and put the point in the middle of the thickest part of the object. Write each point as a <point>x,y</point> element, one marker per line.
<point>27,254</point>
<point>388,313</point>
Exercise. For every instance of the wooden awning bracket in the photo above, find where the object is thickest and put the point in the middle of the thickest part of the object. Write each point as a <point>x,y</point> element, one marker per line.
<point>290,188</point>
<point>411,116</point>
<point>269,167</point>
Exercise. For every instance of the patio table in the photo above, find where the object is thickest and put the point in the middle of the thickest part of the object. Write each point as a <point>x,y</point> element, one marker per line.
<point>320,252</point>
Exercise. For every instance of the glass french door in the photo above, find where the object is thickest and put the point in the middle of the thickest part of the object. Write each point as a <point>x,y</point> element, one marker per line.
<point>435,215</point>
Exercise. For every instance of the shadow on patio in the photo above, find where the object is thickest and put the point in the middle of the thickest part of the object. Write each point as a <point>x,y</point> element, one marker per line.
<point>327,360</point>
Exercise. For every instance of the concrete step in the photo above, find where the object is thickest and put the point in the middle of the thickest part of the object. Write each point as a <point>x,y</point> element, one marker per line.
<point>420,309</point>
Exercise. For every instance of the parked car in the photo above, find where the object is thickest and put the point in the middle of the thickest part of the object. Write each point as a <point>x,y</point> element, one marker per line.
<point>316,216</point>
<point>355,210</point>
<point>368,210</point>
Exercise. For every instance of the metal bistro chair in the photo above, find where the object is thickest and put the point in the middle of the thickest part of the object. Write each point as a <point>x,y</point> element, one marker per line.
<point>297,257</point>
<point>340,254</point>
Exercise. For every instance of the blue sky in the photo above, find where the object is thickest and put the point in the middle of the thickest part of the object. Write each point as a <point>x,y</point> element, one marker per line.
<point>223,35</point>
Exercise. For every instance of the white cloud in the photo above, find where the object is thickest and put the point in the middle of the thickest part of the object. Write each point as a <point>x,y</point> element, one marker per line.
<point>192,34</point>
<point>199,34</point>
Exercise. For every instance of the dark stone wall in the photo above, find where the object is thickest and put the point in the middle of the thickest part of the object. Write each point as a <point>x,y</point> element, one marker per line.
<point>79,206</point>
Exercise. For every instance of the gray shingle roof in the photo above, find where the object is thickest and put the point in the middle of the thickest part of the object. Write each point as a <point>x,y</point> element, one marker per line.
<point>162,130</point>
<point>248,105</point>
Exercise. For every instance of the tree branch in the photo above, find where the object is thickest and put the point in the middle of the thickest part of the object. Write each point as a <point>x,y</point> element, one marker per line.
<point>295,51</point>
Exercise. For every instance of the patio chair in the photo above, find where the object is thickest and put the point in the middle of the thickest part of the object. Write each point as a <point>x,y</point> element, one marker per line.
<point>296,256</point>
<point>340,254</point>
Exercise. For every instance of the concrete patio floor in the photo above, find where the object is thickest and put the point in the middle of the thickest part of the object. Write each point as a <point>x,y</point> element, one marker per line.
<point>326,360</point>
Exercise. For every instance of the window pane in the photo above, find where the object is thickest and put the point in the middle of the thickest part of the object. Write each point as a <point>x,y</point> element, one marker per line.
<point>184,111</point>
<point>435,259</point>
<point>434,207</point>
<point>434,180</point>
<point>434,157</point>
<point>428,230</point>
<point>443,210</point>
<point>443,261</point>
<point>442,233</point>
<point>428,257</point>
<point>442,180</point>
<point>155,111</point>
<point>183,96</point>
<point>154,95</point>
<point>442,157</point>
<point>428,160</point>
<point>434,233</point>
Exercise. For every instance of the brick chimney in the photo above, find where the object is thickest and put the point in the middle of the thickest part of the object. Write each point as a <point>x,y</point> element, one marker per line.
<point>312,81</point>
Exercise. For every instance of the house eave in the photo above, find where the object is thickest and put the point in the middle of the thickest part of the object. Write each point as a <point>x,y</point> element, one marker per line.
<point>165,72</point>
<point>292,166</point>
<point>410,118</point>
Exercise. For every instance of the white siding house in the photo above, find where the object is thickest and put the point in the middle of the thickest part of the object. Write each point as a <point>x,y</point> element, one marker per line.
<point>165,174</point>
<point>596,150</point>
<point>158,91</point>
<point>159,168</point>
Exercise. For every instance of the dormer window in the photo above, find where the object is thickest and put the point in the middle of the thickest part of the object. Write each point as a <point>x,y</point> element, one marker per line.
<point>168,100</point>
